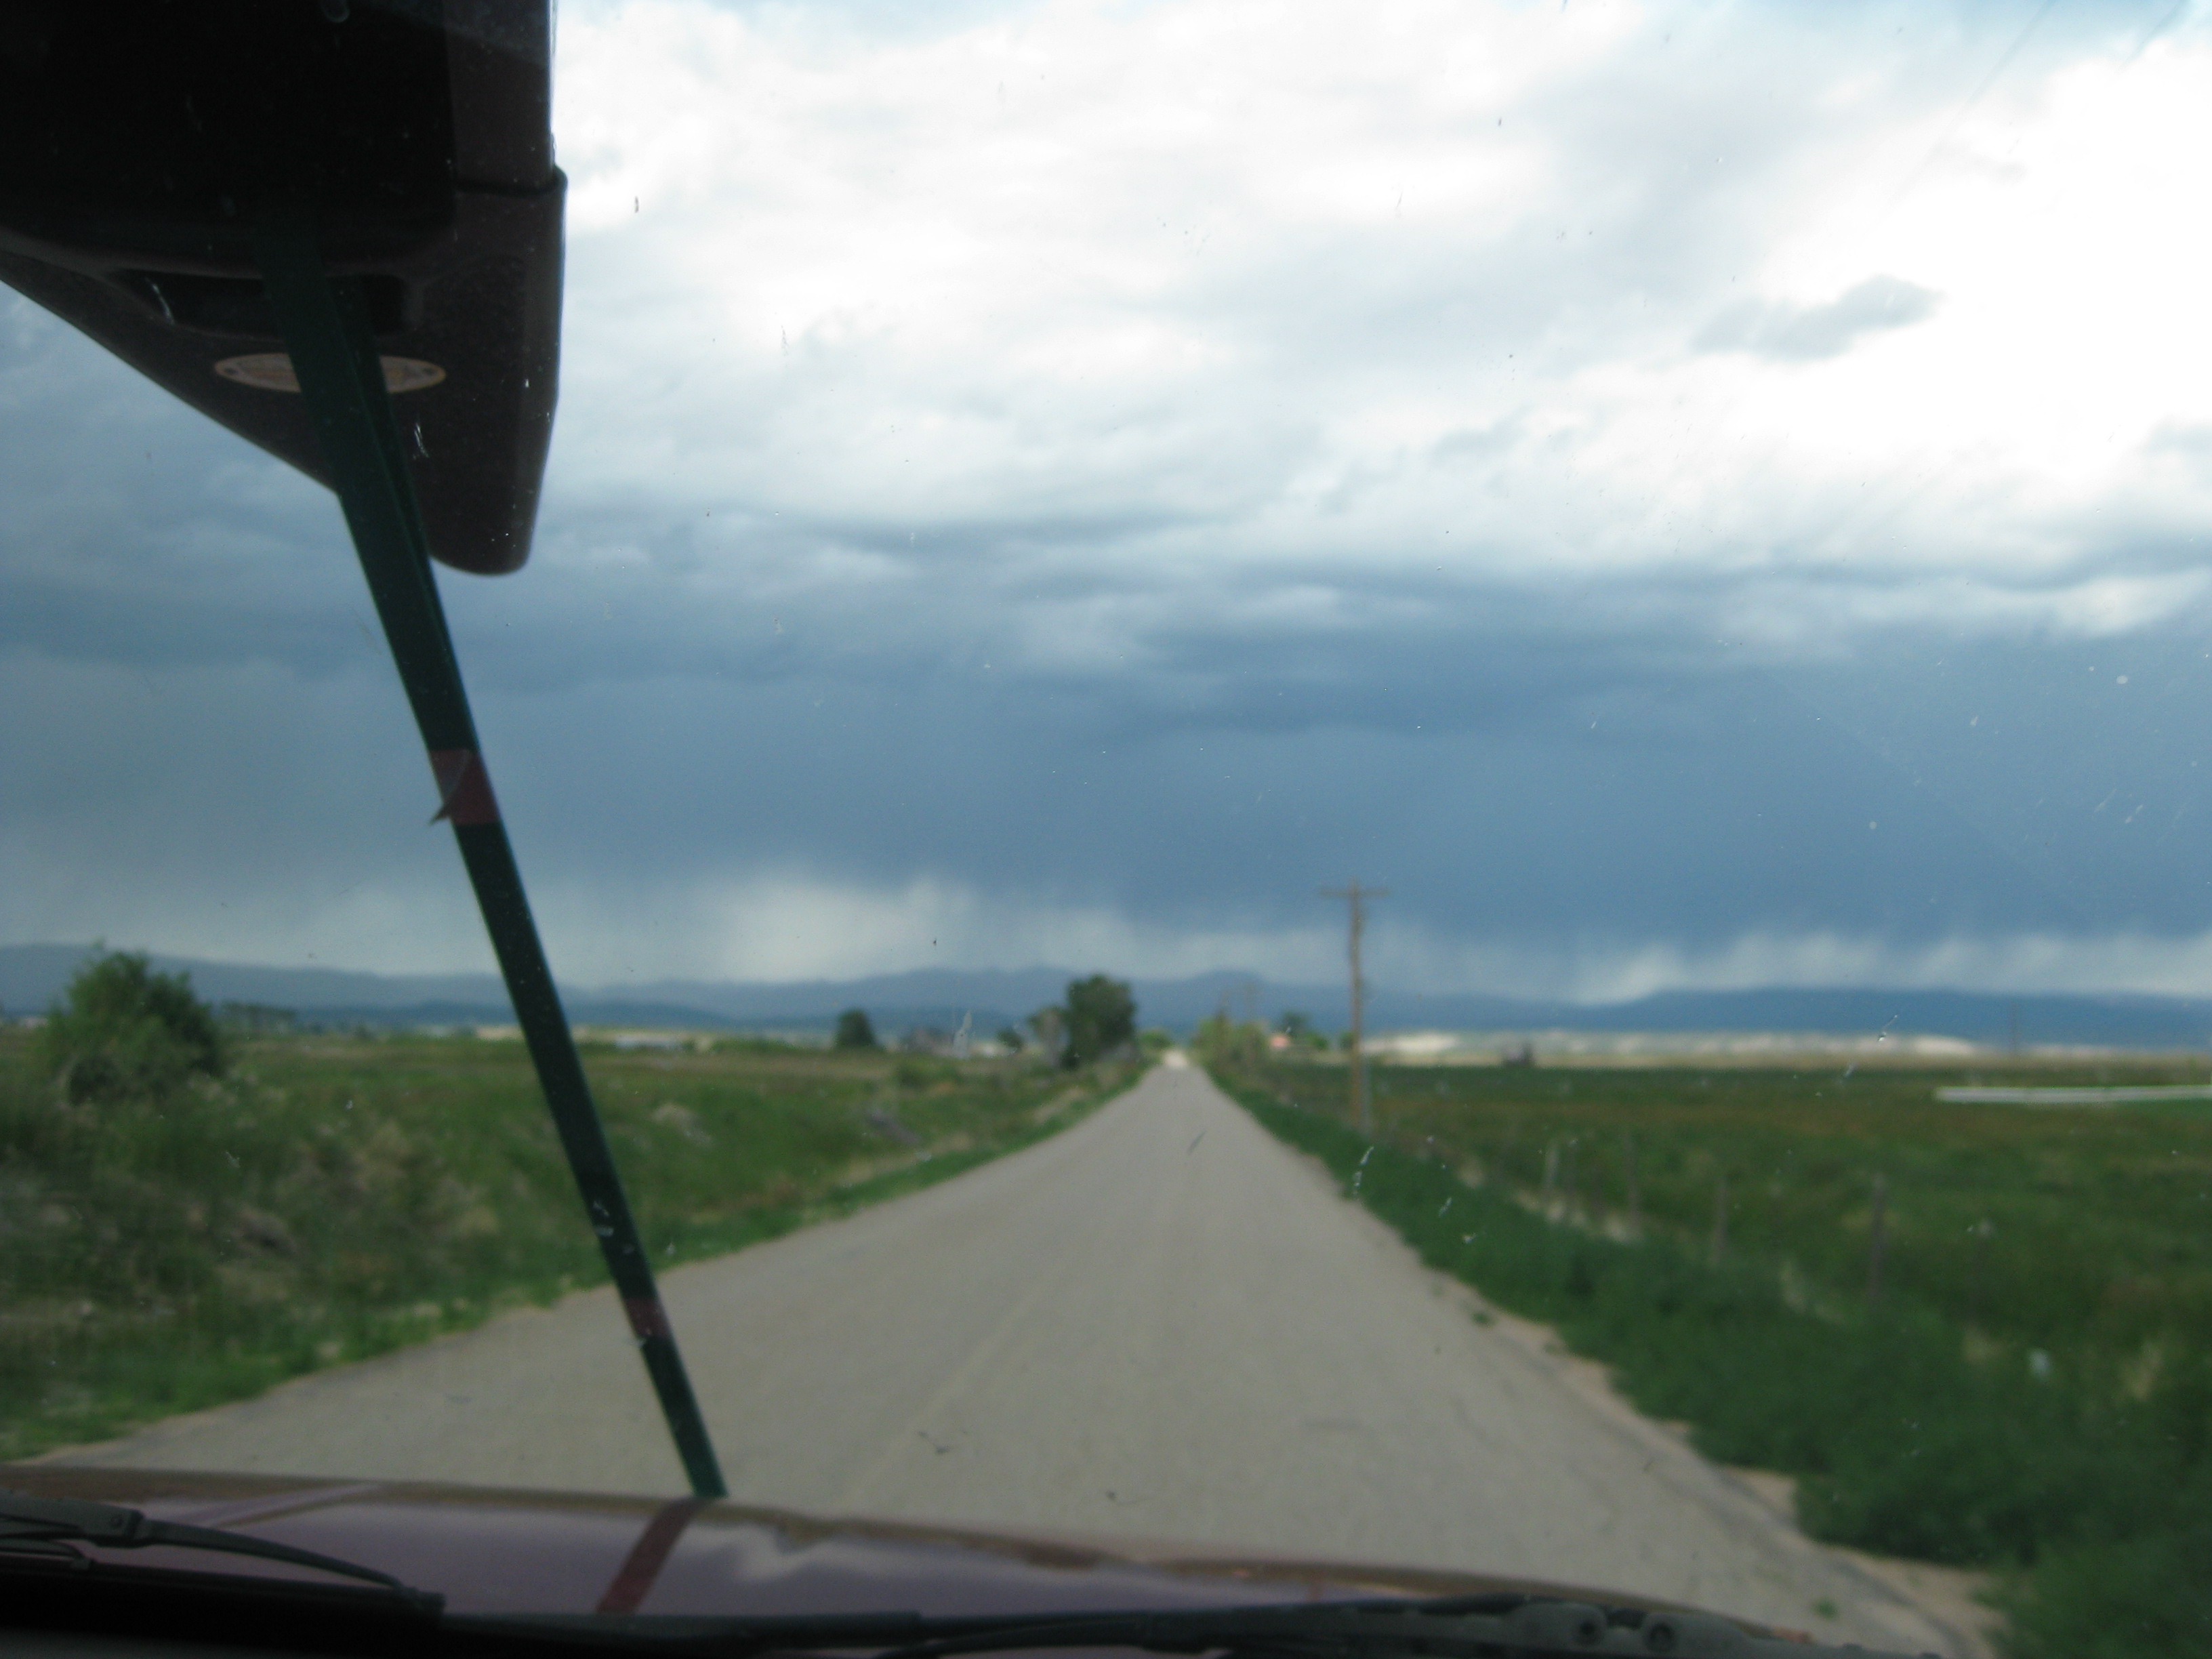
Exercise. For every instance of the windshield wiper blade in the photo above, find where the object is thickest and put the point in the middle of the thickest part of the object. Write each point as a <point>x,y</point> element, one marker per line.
<point>28,1522</point>
<point>1462,1627</point>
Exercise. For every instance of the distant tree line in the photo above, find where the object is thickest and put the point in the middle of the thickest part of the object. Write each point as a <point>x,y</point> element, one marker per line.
<point>1096,1020</point>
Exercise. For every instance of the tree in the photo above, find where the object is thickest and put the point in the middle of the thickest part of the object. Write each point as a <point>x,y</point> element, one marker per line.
<point>1050,1026</point>
<point>1102,1016</point>
<point>124,1029</point>
<point>855,1031</point>
<point>1220,1041</point>
<point>1011,1040</point>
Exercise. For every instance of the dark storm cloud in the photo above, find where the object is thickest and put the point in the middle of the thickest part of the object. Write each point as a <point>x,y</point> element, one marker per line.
<point>1230,530</point>
<point>1525,758</point>
<point>138,532</point>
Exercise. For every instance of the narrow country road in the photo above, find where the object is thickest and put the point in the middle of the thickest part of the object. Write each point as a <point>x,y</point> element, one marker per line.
<point>1160,1323</point>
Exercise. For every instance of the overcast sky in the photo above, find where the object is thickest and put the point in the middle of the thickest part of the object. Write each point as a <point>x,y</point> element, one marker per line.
<point>1682,494</point>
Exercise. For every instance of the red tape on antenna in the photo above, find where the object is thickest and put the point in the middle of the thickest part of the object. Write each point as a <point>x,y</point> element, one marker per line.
<point>464,787</point>
<point>647,1318</point>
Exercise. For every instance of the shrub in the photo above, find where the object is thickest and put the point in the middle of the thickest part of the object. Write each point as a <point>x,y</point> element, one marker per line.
<point>1102,1018</point>
<point>124,1030</point>
<point>2137,1596</point>
<point>915,1072</point>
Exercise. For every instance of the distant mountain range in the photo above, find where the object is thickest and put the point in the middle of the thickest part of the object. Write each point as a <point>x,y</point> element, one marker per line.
<point>32,975</point>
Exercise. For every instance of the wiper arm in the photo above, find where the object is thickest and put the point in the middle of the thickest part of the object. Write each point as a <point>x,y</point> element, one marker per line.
<point>26,1523</point>
<point>1463,1627</point>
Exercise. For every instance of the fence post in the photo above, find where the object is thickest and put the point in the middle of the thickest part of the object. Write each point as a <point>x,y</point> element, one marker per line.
<point>1876,1231</point>
<point>1977,1265</point>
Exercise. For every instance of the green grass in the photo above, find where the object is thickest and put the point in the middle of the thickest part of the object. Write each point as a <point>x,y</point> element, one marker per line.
<point>335,1198</point>
<point>2038,1401</point>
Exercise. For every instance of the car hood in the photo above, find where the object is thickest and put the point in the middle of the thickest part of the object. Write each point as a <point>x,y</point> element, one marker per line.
<point>488,1550</point>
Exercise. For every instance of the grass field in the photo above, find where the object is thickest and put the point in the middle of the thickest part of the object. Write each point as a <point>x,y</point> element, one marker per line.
<point>2034,1396</point>
<point>333,1198</point>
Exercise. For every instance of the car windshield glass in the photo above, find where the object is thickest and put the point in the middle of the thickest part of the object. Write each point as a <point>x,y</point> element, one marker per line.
<point>1410,789</point>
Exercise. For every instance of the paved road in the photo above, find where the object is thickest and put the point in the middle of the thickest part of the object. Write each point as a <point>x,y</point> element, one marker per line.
<point>1160,1323</point>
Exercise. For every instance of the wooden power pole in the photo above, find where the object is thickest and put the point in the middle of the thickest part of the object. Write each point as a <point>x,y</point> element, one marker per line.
<point>1357,896</point>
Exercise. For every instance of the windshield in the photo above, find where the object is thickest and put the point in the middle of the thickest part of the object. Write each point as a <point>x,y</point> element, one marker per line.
<point>1415,787</point>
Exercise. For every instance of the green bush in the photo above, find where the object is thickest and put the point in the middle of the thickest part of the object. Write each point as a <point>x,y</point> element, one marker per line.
<point>1101,1019</point>
<point>2142,1596</point>
<point>125,1031</point>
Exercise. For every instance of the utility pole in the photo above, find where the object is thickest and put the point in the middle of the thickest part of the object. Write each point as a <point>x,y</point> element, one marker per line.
<point>1357,896</point>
